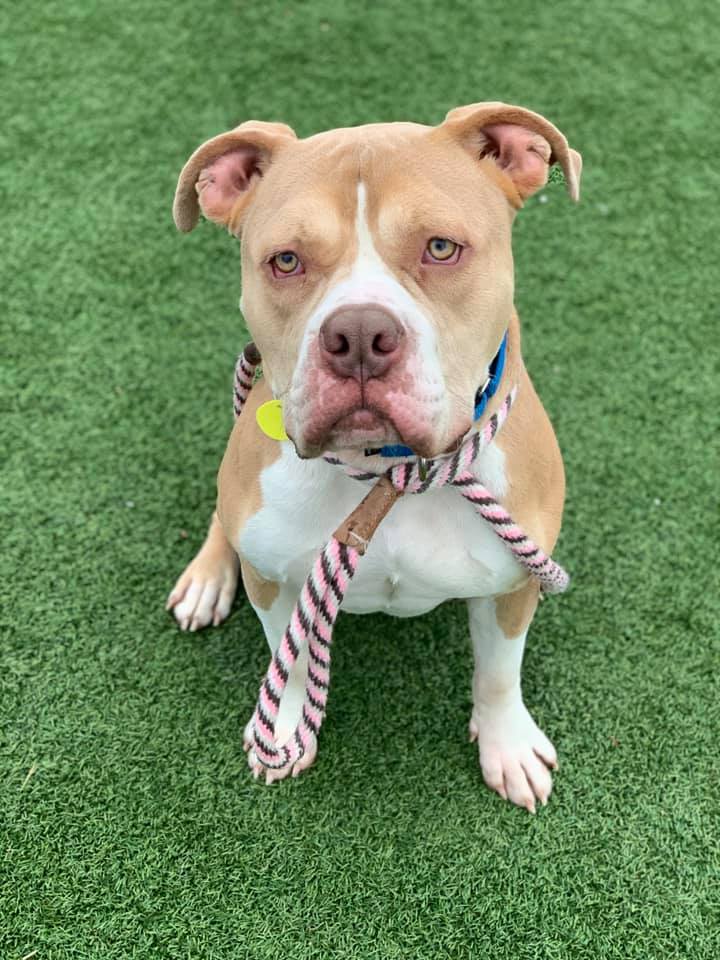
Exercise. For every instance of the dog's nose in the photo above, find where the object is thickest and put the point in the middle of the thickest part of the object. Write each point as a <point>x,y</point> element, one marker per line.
<point>360,342</point>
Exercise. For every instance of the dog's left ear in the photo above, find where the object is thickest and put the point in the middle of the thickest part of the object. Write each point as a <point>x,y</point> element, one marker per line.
<point>523,144</point>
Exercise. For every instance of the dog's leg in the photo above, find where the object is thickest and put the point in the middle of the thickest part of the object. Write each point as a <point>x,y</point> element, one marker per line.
<point>273,604</point>
<point>514,753</point>
<point>204,592</point>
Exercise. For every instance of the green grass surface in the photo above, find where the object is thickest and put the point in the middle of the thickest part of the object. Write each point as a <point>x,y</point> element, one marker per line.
<point>130,825</point>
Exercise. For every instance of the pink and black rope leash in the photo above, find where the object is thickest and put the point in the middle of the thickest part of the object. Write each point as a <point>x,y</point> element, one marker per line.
<point>314,615</point>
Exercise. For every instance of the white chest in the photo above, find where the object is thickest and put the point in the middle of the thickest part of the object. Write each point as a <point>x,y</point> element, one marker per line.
<point>432,547</point>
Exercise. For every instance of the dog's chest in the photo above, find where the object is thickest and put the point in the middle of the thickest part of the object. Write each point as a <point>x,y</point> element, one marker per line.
<point>430,548</point>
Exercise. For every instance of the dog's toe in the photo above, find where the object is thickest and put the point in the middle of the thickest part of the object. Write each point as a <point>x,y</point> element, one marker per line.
<point>515,755</point>
<point>206,588</point>
<point>202,597</point>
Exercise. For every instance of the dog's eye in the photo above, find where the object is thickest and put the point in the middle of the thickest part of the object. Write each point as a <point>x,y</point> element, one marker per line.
<point>442,250</point>
<point>286,263</point>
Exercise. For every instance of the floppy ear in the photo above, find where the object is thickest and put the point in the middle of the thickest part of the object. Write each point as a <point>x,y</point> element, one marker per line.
<point>523,144</point>
<point>220,176</point>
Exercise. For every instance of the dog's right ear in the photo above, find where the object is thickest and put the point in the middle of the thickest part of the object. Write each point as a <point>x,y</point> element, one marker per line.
<point>220,176</point>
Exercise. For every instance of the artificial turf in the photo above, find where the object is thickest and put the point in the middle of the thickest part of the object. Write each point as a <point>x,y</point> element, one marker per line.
<point>131,826</point>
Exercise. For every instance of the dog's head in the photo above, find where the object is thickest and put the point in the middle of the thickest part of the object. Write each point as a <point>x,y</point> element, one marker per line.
<point>376,261</point>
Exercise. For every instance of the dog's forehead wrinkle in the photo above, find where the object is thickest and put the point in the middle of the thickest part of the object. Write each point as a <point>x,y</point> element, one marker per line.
<point>341,157</point>
<point>409,185</point>
<point>375,134</point>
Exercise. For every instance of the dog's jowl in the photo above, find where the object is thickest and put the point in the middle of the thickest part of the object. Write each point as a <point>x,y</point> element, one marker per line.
<point>378,287</point>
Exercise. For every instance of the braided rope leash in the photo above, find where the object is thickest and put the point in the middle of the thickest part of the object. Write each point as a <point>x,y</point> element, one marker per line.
<point>247,364</point>
<point>314,615</point>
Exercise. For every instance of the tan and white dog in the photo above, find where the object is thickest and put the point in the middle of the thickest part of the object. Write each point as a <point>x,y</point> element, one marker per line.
<point>378,285</point>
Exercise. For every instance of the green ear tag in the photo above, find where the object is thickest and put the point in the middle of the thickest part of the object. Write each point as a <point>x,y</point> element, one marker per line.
<point>270,420</point>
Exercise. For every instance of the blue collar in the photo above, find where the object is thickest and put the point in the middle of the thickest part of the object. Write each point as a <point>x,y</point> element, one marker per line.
<point>489,389</point>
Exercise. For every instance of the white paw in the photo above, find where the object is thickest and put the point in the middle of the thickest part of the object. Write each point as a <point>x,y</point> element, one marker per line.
<point>204,593</point>
<point>515,755</point>
<point>271,775</point>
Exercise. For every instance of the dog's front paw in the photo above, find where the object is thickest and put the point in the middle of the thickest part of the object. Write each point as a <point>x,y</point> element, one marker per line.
<point>205,591</point>
<point>293,769</point>
<point>515,755</point>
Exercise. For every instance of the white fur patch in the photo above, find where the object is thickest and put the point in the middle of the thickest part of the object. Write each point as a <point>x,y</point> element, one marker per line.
<point>370,280</point>
<point>491,470</point>
<point>430,548</point>
<point>515,755</point>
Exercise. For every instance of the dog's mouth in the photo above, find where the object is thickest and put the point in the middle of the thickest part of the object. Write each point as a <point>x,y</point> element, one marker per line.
<point>362,427</point>
<point>344,415</point>
<point>352,426</point>
<point>365,428</point>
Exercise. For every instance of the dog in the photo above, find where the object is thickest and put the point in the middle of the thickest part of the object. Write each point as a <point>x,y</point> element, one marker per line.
<point>378,287</point>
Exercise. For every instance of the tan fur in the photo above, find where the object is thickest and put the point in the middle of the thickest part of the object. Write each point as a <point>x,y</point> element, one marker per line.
<point>536,488</point>
<point>261,593</point>
<point>514,611</point>
<point>248,452</point>
<point>217,546</point>
<point>533,463</point>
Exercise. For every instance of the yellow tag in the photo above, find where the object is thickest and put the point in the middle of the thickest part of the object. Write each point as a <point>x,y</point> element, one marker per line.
<point>270,419</point>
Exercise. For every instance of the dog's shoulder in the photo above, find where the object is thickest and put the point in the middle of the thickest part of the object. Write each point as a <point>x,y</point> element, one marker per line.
<point>249,452</point>
<point>534,467</point>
